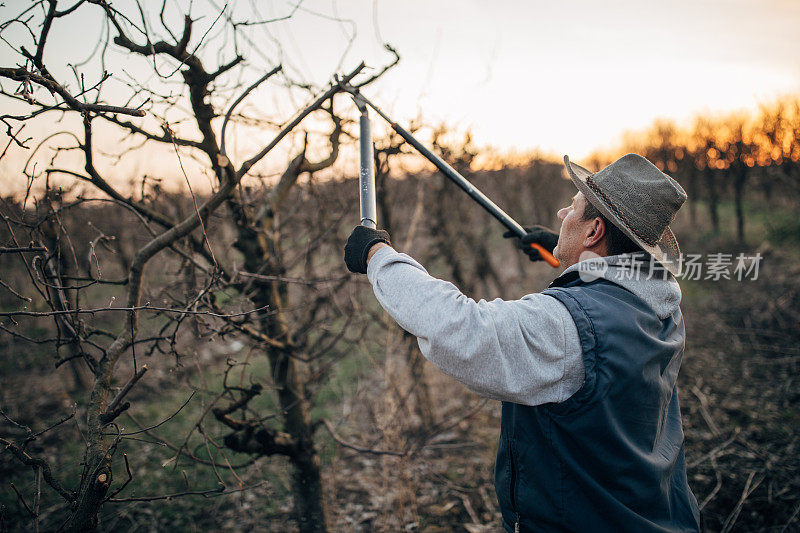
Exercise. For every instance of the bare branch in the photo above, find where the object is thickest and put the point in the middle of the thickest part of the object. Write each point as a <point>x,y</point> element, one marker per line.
<point>16,250</point>
<point>33,436</point>
<point>26,459</point>
<point>164,137</point>
<point>23,75</point>
<point>130,477</point>
<point>22,500</point>
<point>236,102</point>
<point>170,417</point>
<point>130,309</point>
<point>335,88</point>
<point>225,68</point>
<point>114,408</point>
<point>383,70</point>
<point>284,279</point>
<point>220,491</point>
<point>360,449</point>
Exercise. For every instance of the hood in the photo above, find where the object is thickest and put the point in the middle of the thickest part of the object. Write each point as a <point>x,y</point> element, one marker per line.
<point>631,271</point>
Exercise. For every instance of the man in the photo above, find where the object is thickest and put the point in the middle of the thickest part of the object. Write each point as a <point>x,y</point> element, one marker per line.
<point>591,436</point>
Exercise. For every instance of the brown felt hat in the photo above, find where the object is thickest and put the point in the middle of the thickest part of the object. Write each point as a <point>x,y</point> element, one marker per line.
<point>639,199</point>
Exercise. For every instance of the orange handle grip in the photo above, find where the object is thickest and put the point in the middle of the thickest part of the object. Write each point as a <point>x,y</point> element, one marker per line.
<point>547,256</point>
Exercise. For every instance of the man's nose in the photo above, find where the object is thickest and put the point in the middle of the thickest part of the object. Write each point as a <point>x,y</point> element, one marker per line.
<point>562,213</point>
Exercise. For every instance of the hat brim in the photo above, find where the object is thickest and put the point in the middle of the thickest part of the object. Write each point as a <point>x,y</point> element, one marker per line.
<point>665,250</point>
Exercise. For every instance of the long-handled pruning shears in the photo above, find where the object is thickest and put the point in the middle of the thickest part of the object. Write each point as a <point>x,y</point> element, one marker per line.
<point>366,179</point>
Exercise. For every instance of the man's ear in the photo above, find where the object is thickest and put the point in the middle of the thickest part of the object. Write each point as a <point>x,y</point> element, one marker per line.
<point>594,233</point>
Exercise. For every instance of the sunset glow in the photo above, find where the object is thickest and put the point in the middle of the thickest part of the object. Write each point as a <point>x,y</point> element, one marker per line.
<point>539,76</point>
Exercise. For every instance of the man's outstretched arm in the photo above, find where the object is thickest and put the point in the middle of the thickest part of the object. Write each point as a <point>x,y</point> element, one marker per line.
<point>525,351</point>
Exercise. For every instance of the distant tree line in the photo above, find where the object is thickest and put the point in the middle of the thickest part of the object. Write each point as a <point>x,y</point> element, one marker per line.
<point>726,157</point>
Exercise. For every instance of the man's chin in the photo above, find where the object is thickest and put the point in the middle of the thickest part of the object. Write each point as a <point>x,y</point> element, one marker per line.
<point>565,261</point>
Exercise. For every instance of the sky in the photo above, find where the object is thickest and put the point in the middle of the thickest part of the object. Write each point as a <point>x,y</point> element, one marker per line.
<point>570,76</point>
<point>560,77</point>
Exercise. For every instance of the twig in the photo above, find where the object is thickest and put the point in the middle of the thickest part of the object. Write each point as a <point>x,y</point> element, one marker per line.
<point>716,488</point>
<point>175,448</point>
<point>12,137</point>
<point>114,410</point>
<point>715,451</point>
<point>130,478</point>
<point>355,447</point>
<point>134,308</point>
<point>470,510</point>
<point>704,410</point>
<point>208,451</point>
<point>791,519</point>
<point>32,437</point>
<point>203,493</point>
<point>15,293</point>
<point>210,493</point>
<point>15,250</point>
<point>170,417</point>
<point>386,67</point>
<point>194,201</point>
<point>444,426</point>
<point>23,75</point>
<point>13,422</point>
<point>247,91</point>
<point>248,394</point>
<point>283,279</point>
<point>37,499</point>
<point>749,487</point>
<point>21,499</point>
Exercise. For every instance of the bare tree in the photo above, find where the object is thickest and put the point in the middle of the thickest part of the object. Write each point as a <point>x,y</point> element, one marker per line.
<point>739,150</point>
<point>706,158</point>
<point>288,319</point>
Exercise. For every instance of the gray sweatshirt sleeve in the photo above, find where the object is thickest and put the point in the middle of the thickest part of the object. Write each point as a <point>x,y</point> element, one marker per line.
<point>524,351</point>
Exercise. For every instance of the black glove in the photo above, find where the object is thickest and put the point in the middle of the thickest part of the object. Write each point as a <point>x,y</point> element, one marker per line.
<point>545,237</point>
<point>358,244</point>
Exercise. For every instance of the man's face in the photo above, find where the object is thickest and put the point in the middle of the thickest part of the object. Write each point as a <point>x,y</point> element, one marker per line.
<point>573,231</point>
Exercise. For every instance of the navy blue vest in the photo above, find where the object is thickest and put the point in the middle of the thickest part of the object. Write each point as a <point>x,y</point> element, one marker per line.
<point>610,458</point>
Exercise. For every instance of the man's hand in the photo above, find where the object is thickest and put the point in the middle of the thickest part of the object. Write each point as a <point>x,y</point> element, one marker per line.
<point>356,250</point>
<point>545,237</point>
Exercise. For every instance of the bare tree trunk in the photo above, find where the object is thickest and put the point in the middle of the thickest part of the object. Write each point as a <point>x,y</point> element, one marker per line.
<point>416,366</point>
<point>289,373</point>
<point>96,477</point>
<point>713,197</point>
<point>739,181</point>
<point>445,235</point>
<point>310,511</point>
<point>767,181</point>
<point>692,192</point>
<point>290,377</point>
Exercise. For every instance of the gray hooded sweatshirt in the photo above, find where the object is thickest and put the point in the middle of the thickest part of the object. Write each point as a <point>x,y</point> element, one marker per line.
<point>524,351</point>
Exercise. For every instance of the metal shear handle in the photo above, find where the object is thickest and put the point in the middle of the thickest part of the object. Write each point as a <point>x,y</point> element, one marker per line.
<point>366,178</point>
